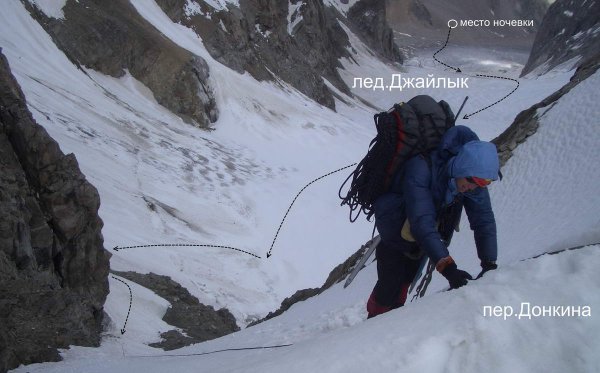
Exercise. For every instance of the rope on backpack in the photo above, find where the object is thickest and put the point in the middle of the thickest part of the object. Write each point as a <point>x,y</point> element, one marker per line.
<point>363,188</point>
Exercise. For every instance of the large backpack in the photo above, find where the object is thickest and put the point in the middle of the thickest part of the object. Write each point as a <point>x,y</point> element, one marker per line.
<point>407,129</point>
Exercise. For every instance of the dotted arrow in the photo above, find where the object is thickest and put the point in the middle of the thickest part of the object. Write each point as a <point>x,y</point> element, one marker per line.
<point>467,116</point>
<point>117,248</point>
<point>445,44</point>
<point>130,301</point>
<point>295,198</point>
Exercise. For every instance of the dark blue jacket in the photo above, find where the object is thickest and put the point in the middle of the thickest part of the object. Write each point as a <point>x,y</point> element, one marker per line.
<point>424,188</point>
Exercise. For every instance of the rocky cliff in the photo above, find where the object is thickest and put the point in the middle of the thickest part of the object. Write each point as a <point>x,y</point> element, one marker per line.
<point>370,18</point>
<point>111,37</point>
<point>199,322</point>
<point>53,266</point>
<point>570,31</point>
<point>299,42</point>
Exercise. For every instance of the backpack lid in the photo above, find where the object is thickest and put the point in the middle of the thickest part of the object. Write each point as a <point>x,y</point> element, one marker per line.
<point>426,105</point>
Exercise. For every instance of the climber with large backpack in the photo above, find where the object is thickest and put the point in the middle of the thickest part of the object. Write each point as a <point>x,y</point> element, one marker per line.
<point>420,172</point>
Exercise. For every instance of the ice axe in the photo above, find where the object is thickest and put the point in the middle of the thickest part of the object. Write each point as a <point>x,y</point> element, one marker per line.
<point>461,107</point>
<point>370,247</point>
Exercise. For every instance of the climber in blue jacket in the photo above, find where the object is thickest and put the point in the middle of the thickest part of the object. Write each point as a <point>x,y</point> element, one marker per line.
<point>417,216</point>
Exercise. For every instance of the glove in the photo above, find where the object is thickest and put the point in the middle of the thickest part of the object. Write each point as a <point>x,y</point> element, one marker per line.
<point>455,276</point>
<point>486,266</point>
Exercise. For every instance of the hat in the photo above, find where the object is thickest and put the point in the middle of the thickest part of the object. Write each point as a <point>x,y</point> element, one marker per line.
<point>476,159</point>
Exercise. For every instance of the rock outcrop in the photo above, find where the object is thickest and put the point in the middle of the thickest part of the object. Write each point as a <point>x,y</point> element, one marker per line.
<point>527,122</point>
<point>370,18</point>
<point>570,31</point>
<point>53,266</point>
<point>111,37</point>
<point>199,322</point>
<point>299,41</point>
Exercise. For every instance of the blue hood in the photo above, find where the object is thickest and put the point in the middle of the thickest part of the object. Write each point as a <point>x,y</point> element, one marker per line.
<point>475,158</point>
<point>453,140</point>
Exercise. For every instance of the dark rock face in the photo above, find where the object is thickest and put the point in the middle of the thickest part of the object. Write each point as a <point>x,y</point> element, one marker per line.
<point>53,266</point>
<point>370,17</point>
<point>570,29</point>
<point>199,322</point>
<point>256,38</point>
<point>110,36</point>
<point>527,122</point>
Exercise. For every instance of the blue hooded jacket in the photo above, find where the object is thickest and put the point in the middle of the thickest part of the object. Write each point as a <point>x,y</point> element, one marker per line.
<point>421,190</point>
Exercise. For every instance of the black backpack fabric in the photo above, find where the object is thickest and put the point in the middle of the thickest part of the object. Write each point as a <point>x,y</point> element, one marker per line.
<point>407,129</point>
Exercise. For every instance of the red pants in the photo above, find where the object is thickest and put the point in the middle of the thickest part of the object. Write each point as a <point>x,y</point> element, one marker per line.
<point>395,272</point>
<point>374,308</point>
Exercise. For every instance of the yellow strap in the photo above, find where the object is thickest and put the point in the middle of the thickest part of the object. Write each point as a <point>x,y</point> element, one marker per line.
<point>407,234</point>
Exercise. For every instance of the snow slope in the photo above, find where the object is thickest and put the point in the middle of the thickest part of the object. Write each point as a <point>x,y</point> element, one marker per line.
<point>328,334</point>
<point>162,181</point>
<point>445,331</point>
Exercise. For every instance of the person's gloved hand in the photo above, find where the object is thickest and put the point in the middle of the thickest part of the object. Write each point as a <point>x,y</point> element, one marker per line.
<point>455,276</point>
<point>486,266</point>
